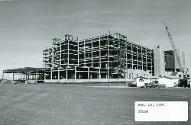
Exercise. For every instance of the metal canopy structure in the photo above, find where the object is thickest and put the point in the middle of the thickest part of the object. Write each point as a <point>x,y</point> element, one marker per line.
<point>28,73</point>
<point>26,70</point>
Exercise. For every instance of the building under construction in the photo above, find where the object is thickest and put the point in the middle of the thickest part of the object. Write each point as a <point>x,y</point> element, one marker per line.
<point>105,58</point>
<point>109,56</point>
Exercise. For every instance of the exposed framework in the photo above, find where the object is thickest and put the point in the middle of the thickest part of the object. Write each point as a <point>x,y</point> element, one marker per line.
<point>106,56</point>
<point>27,73</point>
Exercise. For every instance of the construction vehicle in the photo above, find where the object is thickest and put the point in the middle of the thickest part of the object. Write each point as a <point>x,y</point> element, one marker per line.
<point>184,80</point>
<point>154,84</point>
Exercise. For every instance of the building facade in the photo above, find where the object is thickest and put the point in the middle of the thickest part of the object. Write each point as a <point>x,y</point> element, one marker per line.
<point>169,60</point>
<point>166,64</point>
<point>159,62</point>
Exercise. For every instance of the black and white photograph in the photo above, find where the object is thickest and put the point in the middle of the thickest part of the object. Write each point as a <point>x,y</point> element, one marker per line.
<point>95,62</point>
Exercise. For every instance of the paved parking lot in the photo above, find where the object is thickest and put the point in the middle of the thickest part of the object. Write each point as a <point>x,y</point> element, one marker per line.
<point>59,104</point>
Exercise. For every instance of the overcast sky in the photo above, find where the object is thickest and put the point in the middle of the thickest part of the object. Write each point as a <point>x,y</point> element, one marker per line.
<point>28,26</point>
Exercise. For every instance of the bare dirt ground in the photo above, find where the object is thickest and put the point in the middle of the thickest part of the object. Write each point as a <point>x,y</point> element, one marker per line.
<point>59,104</point>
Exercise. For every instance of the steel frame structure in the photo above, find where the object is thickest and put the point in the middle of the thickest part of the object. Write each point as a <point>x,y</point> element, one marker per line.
<point>107,56</point>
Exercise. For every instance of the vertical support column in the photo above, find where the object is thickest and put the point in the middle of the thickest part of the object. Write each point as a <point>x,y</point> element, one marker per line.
<point>126,53</point>
<point>3,75</point>
<point>13,76</point>
<point>151,57</point>
<point>126,61</point>
<point>68,52</point>
<point>52,64</point>
<point>66,73</point>
<point>126,65</point>
<point>84,53</point>
<point>99,58</point>
<point>58,73</point>
<point>137,56</point>
<point>88,73</point>
<point>75,73</point>
<point>146,60</point>
<point>78,52</point>
<point>108,56</point>
<point>132,55</point>
<point>60,54</point>
<point>141,57</point>
<point>38,75</point>
<point>51,73</point>
<point>99,73</point>
<point>92,51</point>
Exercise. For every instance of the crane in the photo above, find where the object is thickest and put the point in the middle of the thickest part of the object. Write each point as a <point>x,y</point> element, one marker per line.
<point>185,81</point>
<point>172,42</point>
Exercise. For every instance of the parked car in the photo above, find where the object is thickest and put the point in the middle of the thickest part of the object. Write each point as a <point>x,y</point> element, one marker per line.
<point>154,84</point>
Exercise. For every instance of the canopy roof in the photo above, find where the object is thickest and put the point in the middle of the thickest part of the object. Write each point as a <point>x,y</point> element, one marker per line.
<point>26,70</point>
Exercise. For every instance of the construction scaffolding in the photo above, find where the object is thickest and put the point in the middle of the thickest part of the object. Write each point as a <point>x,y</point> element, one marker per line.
<point>107,56</point>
